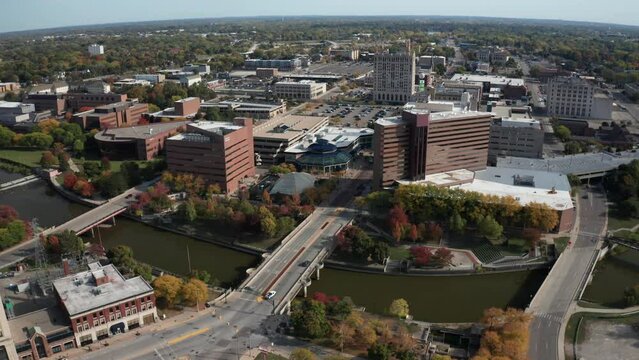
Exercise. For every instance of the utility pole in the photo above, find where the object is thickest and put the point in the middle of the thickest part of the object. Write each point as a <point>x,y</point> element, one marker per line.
<point>188,258</point>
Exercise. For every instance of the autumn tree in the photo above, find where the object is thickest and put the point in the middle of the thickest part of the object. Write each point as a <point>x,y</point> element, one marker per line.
<point>443,257</point>
<point>194,292</point>
<point>167,288</point>
<point>421,255</point>
<point>48,159</point>
<point>309,319</point>
<point>506,335</point>
<point>268,224</point>
<point>302,354</point>
<point>399,308</point>
<point>540,216</point>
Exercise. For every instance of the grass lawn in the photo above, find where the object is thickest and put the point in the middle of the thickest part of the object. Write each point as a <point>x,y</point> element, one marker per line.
<point>26,157</point>
<point>115,164</point>
<point>399,253</point>
<point>561,243</point>
<point>571,328</point>
<point>619,221</point>
<point>516,246</point>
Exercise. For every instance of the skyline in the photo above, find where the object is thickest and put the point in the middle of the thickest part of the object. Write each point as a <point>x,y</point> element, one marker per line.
<point>45,14</point>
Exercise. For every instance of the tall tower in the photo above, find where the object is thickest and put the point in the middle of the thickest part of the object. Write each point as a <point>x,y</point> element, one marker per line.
<point>394,76</point>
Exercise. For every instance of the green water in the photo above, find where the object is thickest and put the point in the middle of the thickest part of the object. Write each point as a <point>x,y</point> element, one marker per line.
<point>612,275</point>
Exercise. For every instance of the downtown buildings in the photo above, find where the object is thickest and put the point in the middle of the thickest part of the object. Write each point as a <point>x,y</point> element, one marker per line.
<point>577,97</point>
<point>394,77</point>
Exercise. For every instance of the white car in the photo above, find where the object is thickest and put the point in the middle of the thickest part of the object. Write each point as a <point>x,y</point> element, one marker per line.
<point>269,295</point>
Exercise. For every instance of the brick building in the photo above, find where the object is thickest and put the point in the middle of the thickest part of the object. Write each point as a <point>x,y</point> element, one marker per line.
<point>220,152</point>
<point>142,142</point>
<point>76,102</point>
<point>119,114</point>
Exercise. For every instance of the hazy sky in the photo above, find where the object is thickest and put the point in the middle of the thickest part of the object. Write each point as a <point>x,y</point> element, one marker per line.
<point>37,14</point>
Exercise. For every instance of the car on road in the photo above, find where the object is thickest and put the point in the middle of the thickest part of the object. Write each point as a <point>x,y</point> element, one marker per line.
<point>269,295</point>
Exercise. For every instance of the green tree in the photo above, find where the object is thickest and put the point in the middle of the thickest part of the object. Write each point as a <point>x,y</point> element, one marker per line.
<point>562,133</point>
<point>399,308</point>
<point>440,69</point>
<point>309,319</point>
<point>456,223</point>
<point>572,147</point>
<point>285,224</point>
<point>167,288</point>
<point>131,172</point>
<point>112,184</point>
<point>78,146</point>
<point>48,159</point>
<point>36,140</point>
<point>70,243</point>
<point>194,292</point>
<point>6,136</point>
<point>143,270</point>
<point>122,257</point>
<point>380,352</point>
<point>187,211</point>
<point>268,224</point>
<point>302,354</point>
<point>490,229</point>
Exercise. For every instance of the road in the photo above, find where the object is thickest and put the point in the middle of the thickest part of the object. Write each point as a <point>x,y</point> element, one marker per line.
<point>556,295</point>
<point>245,319</point>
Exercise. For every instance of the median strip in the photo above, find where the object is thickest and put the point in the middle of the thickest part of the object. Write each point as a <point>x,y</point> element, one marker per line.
<point>187,336</point>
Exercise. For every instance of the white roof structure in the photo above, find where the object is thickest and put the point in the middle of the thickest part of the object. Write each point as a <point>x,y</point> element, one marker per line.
<point>80,294</point>
<point>494,80</point>
<point>341,137</point>
<point>521,123</point>
<point>578,164</point>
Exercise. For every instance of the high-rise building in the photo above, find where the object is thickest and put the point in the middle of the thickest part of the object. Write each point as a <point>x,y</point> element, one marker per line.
<point>577,97</point>
<point>220,152</point>
<point>394,77</point>
<point>95,50</point>
<point>301,90</point>
<point>421,143</point>
<point>515,137</point>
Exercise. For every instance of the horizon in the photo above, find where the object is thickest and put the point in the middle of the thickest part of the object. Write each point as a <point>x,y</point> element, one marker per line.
<point>47,15</point>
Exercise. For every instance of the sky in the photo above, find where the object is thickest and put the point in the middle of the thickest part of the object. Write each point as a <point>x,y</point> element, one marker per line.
<point>38,14</point>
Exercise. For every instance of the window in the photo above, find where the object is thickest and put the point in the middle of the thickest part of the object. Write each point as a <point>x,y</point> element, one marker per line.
<point>95,322</point>
<point>56,349</point>
<point>111,317</point>
<point>68,345</point>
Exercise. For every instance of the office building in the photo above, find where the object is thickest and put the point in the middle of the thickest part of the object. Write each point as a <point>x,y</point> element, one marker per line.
<point>394,77</point>
<point>75,102</point>
<point>266,73</point>
<point>12,113</point>
<point>577,97</point>
<point>181,110</point>
<point>272,138</point>
<point>246,109</point>
<point>510,88</point>
<point>220,152</point>
<point>420,143</point>
<point>124,113</point>
<point>431,62</point>
<point>184,79</point>
<point>454,91</point>
<point>7,346</point>
<point>100,302</point>
<point>281,65</point>
<point>484,55</point>
<point>515,137</point>
<point>302,90</point>
<point>152,78</point>
<point>500,57</point>
<point>96,87</point>
<point>95,50</point>
<point>201,69</point>
<point>55,103</point>
<point>142,142</point>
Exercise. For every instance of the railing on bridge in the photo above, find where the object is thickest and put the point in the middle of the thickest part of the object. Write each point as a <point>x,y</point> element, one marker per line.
<point>623,242</point>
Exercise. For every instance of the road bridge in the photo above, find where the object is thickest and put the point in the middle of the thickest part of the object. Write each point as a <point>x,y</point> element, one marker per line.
<point>18,182</point>
<point>623,242</point>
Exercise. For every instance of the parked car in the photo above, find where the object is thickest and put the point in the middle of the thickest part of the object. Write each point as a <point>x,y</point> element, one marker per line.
<point>269,295</point>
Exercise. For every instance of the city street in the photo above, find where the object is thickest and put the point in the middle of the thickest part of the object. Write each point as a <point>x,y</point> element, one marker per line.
<point>556,295</point>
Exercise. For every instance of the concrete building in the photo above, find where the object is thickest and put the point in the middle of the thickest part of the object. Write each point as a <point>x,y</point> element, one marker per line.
<point>302,90</point>
<point>394,77</point>
<point>100,302</point>
<point>57,104</point>
<point>484,54</point>
<point>577,97</point>
<point>7,346</point>
<point>130,82</point>
<point>201,69</point>
<point>273,137</point>
<point>266,73</point>
<point>500,56</point>
<point>281,65</point>
<point>142,142</point>
<point>152,78</point>
<point>430,62</point>
<point>96,87</point>
<point>9,86</point>
<point>246,109</point>
<point>515,137</point>
<point>12,113</point>
<point>220,152</point>
<point>185,79</point>
<point>421,143</point>
<point>58,87</point>
<point>95,50</point>
<point>344,54</point>
<point>454,91</point>
<point>510,88</point>
<point>115,115</point>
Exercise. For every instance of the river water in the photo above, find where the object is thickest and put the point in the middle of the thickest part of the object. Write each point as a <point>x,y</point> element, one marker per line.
<point>612,275</point>
<point>437,299</point>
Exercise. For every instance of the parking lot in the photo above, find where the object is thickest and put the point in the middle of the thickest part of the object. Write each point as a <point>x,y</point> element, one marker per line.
<point>355,115</point>
<point>342,68</point>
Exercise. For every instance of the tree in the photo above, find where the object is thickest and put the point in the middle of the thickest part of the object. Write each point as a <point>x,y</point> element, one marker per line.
<point>48,159</point>
<point>309,319</point>
<point>563,133</point>
<point>91,168</point>
<point>187,211</point>
<point>268,224</point>
<point>456,223</point>
<point>540,216</point>
<point>421,255</point>
<point>6,137</point>
<point>266,197</point>
<point>380,352</point>
<point>490,229</point>
<point>7,215</point>
<point>36,140</point>
<point>441,357</point>
<point>302,354</point>
<point>167,288</point>
<point>285,224</point>
<point>194,292</point>
<point>204,276</point>
<point>399,308</point>
<point>440,69</point>
<point>70,243</point>
<point>78,146</point>
<point>122,257</point>
<point>131,172</point>
<point>572,147</point>
<point>105,163</point>
<point>627,209</point>
<point>443,257</point>
<point>112,184</point>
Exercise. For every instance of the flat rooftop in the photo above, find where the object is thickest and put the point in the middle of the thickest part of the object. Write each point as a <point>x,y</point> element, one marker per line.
<point>10,104</point>
<point>241,105</point>
<point>80,294</point>
<point>49,320</point>
<point>521,123</point>
<point>206,129</point>
<point>492,79</point>
<point>578,164</point>
<point>289,127</point>
<point>137,132</point>
<point>448,178</point>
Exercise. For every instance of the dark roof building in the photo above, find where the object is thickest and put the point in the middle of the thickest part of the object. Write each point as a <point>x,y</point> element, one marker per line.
<point>293,183</point>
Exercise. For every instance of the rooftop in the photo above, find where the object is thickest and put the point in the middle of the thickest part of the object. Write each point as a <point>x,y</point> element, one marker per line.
<point>137,132</point>
<point>79,292</point>
<point>521,123</point>
<point>200,131</point>
<point>289,127</point>
<point>341,137</point>
<point>493,79</point>
<point>293,183</point>
<point>9,104</point>
<point>578,164</point>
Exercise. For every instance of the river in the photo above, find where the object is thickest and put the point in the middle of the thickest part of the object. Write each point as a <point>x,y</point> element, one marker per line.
<point>437,299</point>
<point>612,275</point>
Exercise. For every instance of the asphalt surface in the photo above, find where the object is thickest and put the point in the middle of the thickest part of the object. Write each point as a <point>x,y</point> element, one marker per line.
<point>553,300</point>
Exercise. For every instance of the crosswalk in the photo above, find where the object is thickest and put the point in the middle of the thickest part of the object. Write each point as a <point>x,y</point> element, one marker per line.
<point>549,317</point>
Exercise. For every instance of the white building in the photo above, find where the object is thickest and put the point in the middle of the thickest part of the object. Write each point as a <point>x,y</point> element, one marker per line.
<point>152,78</point>
<point>576,97</point>
<point>97,87</point>
<point>95,50</point>
<point>394,77</point>
<point>302,90</point>
<point>12,113</point>
<point>201,69</point>
<point>131,82</point>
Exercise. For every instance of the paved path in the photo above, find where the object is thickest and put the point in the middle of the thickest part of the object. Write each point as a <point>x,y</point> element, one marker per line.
<point>626,311</point>
<point>551,306</point>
